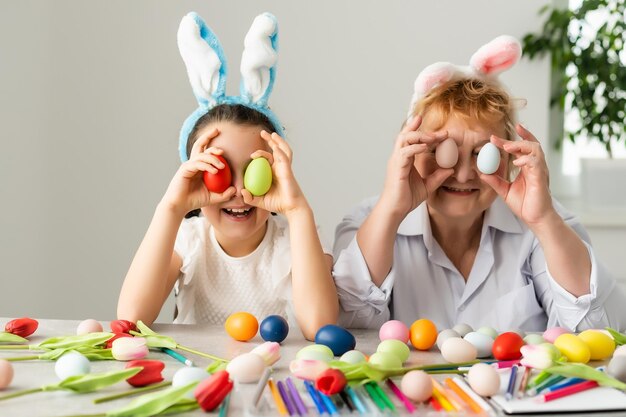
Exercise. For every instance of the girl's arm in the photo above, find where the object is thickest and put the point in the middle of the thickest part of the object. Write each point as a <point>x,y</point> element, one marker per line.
<point>314,293</point>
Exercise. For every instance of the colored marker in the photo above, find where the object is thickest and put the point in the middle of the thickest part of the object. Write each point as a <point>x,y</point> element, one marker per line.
<point>407,404</point>
<point>280,405</point>
<point>356,400</point>
<point>328,403</point>
<point>463,395</point>
<point>316,400</point>
<point>180,358</point>
<point>565,383</point>
<point>511,387</point>
<point>286,398</point>
<point>296,397</point>
<point>572,389</point>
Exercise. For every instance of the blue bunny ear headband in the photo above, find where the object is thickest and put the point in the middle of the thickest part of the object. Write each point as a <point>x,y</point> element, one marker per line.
<point>206,67</point>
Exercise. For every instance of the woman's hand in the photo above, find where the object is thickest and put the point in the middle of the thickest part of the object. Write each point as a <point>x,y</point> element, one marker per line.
<point>285,195</point>
<point>528,195</point>
<point>404,188</point>
<point>187,191</point>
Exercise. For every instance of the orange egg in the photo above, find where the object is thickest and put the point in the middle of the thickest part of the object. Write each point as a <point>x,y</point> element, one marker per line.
<point>241,326</point>
<point>423,334</point>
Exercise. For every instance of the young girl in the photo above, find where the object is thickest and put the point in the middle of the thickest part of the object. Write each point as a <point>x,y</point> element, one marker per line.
<point>456,245</point>
<point>235,256</point>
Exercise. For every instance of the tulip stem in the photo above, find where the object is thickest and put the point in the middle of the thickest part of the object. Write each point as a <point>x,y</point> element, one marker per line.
<point>20,393</point>
<point>14,347</point>
<point>132,392</point>
<point>206,355</point>
<point>22,358</point>
<point>88,415</point>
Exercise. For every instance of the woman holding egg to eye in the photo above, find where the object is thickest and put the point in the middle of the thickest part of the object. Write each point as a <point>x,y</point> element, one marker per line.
<point>465,229</point>
<point>236,169</point>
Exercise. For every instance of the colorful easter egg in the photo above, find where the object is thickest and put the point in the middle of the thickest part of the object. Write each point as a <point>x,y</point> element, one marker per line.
<point>507,346</point>
<point>241,326</point>
<point>274,329</point>
<point>534,339</point>
<point>394,329</point>
<point>338,339</point>
<point>385,360</point>
<point>221,180</point>
<point>423,334</point>
<point>88,326</point>
<point>71,364</point>
<point>258,177</point>
<point>481,342</point>
<point>353,356</point>
<point>417,386</point>
<point>187,375</point>
<point>488,159</point>
<point>552,333</point>
<point>6,373</point>
<point>316,352</point>
<point>573,348</point>
<point>600,345</point>
<point>396,348</point>
<point>489,331</point>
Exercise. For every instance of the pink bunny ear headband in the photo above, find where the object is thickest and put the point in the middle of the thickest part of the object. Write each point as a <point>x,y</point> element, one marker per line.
<point>490,60</point>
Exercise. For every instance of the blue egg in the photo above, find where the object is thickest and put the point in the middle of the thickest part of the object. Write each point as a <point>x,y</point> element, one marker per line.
<point>488,159</point>
<point>274,329</point>
<point>338,339</point>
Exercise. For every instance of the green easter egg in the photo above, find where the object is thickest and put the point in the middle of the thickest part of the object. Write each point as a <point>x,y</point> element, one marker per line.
<point>353,356</point>
<point>534,339</point>
<point>258,177</point>
<point>385,360</point>
<point>316,352</point>
<point>396,348</point>
<point>489,331</point>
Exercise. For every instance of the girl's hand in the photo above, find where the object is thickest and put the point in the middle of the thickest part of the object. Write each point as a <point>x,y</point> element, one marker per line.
<point>404,188</point>
<point>528,195</point>
<point>187,191</point>
<point>285,195</point>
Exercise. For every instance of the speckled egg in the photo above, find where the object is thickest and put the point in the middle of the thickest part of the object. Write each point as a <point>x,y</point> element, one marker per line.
<point>488,159</point>
<point>187,375</point>
<point>445,335</point>
<point>6,373</point>
<point>447,153</point>
<point>534,339</point>
<point>316,352</point>
<point>489,331</point>
<point>417,386</point>
<point>338,339</point>
<point>617,368</point>
<point>246,368</point>
<point>394,329</point>
<point>457,350</point>
<point>481,342</point>
<point>71,364</point>
<point>385,360</point>
<point>600,345</point>
<point>552,333</point>
<point>396,348</point>
<point>353,356</point>
<point>88,326</point>
<point>484,379</point>
<point>573,348</point>
<point>462,329</point>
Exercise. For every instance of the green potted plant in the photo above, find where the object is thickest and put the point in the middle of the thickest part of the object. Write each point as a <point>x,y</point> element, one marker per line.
<point>589,80</point>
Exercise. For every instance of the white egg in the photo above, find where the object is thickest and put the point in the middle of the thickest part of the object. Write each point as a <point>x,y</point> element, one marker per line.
<point>488,159</point>
<point>246,368</point>
<point>88,326</point>
<point>620,351</point>
<point>417,385</point>
<point>481,342</point>
<point>445,335</point>
<point>353,356</point>
<point>484,379</point>
<point>71,364</point>
<point>6,373</point>
<point>462,329</point>
<point>187,375</point>
<point>457,350</point>
<point>447,153</point>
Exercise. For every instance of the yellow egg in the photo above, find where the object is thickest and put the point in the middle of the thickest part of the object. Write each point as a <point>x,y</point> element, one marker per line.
<point>600,345</point>
<point>573,347</point>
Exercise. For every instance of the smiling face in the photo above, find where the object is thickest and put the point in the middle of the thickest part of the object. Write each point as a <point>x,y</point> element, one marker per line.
<point>235,222</point>
<point>462,195</point>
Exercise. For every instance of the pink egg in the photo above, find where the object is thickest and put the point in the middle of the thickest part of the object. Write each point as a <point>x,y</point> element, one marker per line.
<point>6,373</point>
<point>394,329</point>
<point>447,153</point>
<point>88,326</point>
<point>552,333</point>
<point>417,385</point>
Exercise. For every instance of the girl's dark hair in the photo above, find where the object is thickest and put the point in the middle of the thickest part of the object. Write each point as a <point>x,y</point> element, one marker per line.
<point>234,113</point>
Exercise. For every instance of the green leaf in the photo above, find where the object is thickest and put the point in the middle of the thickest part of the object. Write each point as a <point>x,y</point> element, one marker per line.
<point>91,353</point>
<point>72,342</point>
<point>153,403</point>
<point>216,366</point>
<point>93,382</point>
<point>619,338</point>
<point>6,337</point>
<point>153,339</point>
<point>580,370</point>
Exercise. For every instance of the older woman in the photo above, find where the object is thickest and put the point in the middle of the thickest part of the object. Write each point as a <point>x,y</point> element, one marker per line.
<point>460,246</point>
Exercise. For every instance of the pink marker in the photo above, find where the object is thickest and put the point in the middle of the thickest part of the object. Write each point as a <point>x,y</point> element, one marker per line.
<point>505,364</point>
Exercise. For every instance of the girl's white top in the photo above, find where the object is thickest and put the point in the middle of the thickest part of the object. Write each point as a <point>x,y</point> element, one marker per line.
<point>509,286</point>
<point>212,285</point>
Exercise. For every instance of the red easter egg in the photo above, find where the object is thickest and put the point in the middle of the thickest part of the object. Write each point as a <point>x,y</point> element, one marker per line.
<point>220,181</point>
<point>507,346</point>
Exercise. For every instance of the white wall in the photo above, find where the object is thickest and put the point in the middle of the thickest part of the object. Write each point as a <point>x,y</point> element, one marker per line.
<point>93,93</point>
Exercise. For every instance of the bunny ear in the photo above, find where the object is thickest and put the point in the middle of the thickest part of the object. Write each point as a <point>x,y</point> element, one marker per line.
<point>204,58</point>
<point>430,77</point>
<point>498,55</point>
<point>258,61</point>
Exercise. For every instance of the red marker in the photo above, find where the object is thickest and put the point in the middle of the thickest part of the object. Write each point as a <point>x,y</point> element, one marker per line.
<point>565,391</point>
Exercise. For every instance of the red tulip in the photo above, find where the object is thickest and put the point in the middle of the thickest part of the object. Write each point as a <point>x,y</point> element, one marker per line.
<point>150,374</point>
<point>213,390</point>
<point>23,327</point>
<point>122,326</point>
<point>109,343</point>
<point>331,381</point>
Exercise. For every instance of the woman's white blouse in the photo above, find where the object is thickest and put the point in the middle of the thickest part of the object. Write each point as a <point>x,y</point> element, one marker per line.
<point>509,286</point>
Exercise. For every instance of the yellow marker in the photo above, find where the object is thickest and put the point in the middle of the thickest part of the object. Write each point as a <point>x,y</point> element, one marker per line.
<point>441,398</point>
<point>277,398</point>
<point>463,395</point>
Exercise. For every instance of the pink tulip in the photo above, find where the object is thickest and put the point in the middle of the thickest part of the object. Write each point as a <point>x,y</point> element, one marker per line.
<point>540,356</point>
<point>129,348</point>
<point>269,351</point>
<point>308,369</point>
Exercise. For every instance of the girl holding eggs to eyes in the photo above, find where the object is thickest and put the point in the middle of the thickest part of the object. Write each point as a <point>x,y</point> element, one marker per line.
<point>465,229</point>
